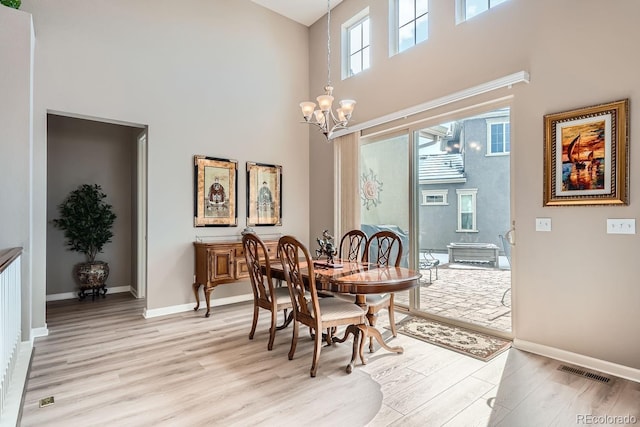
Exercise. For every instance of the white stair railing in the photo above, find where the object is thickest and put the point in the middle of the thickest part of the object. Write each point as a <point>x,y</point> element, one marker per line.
<point>10,318</point>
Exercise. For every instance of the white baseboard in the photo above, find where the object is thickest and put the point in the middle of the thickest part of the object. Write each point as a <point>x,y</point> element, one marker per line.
<point>13,398</point>
<point>39,332</point>
<point>74,295</point>
<point>579,359</point>
<point>155,312</point>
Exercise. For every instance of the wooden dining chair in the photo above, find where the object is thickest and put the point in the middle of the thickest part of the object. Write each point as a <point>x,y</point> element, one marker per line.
<point>265,294</point>
<point>383,248</point>
<point>318,314</point>
<point>352,245</point>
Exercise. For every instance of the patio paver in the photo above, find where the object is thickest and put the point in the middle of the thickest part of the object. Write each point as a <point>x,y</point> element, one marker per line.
<point>469,293</point>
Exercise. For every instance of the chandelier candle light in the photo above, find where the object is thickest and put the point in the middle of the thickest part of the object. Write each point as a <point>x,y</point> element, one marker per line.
<point>324,117</point>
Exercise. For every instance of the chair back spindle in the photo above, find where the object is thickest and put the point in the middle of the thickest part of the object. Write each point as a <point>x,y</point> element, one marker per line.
<point>384,248</point>
<point>292,255</point>
<point>352,245</point>
<point>255,253</point>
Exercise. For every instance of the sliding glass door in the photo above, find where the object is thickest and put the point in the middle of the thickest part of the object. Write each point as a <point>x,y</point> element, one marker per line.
<point>445,189</point>
<point>463,220</point>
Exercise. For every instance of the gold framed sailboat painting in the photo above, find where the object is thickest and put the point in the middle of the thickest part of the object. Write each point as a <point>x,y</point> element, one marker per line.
<point>586,156</point>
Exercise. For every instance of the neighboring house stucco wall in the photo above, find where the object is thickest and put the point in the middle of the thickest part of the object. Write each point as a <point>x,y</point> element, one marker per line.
<point>488,174</point>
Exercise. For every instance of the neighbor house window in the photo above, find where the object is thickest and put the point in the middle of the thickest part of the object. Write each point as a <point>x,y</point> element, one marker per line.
<point>467,210</point>
<point>411,23</point>
<point>434,197</point>
<point>467,9</point>
<point>499,136</point>
<point>356,49</point>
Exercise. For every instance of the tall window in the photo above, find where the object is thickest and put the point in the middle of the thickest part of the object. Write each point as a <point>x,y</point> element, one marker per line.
<point>358,46</point>
<point>412,22</point>
<point>467,9</point>
<point>467,209</point>
<point>498,135</point>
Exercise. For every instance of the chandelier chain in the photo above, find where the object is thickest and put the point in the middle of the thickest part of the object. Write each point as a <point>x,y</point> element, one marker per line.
<point>328,42</point>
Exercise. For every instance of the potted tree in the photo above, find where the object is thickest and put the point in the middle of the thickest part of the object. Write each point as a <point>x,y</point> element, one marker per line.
<point>11,3</point>
<point>87,220</point>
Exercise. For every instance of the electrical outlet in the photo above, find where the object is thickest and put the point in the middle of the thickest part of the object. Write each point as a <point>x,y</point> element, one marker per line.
<point>621,226</point>
<point>543,224</point>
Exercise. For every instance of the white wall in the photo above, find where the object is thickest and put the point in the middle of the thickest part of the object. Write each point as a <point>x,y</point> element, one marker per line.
<point>217,78</point>
<point>88,152</point>
<point>575,288</point>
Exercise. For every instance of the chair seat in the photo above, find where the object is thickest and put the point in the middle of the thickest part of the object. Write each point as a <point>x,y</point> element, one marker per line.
<point>282,295</point>
<point>371,299</point>
<point>378,299</point>
<point>344,297</point>
<point>334,309</point>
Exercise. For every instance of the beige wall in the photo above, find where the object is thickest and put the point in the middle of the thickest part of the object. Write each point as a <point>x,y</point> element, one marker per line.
<point>205,85</point>
<point>16,54</point>
<point>15,87</point>
<point>215,78</point>
<point>88,152</point>
<point>575,288</point>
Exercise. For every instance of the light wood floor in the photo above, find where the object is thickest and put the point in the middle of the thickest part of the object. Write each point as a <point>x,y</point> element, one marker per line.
<point>105,365</point>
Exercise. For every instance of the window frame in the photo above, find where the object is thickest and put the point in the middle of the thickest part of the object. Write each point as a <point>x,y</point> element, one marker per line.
<point>460,193</point>
<point>394,27</point>
<point>494,121</point>
<point>461,9</point>
<point>443,193</point>
<point>357,19</point>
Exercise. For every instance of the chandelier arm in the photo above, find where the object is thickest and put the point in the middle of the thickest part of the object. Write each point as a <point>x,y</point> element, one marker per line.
<point>337,126</point>
<point>322,127</point>
<point>333,117</point>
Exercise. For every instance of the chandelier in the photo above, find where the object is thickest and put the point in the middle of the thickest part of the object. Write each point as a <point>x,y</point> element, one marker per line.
<point>324,117</point>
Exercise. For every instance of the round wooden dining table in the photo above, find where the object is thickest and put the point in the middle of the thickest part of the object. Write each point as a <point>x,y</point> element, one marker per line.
<point>359,279</point>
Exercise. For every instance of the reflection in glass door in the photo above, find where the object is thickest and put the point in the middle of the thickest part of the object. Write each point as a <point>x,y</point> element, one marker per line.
<point>384,184</point>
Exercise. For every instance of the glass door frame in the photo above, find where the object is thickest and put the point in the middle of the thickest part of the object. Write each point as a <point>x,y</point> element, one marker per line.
<point>411,131</point>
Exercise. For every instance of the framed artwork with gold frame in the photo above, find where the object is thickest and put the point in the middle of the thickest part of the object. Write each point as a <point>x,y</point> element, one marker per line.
<point>264,194</point>
<point>586,156</point>
<point>215,192</point>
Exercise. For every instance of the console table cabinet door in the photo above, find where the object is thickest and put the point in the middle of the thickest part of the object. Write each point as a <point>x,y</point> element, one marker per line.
<point>221,268</point>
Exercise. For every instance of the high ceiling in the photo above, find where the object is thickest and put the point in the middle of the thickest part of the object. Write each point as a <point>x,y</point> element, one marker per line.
<point>305,12</point>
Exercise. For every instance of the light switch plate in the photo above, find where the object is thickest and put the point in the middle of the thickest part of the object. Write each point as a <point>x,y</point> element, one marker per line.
<point>543,224</point>
<point>621,226</point>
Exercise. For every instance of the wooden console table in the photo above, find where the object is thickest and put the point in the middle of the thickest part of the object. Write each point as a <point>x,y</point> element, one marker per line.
<point>221,262</point>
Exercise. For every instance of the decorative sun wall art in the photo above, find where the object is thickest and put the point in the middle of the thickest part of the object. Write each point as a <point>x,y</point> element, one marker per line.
<point>370,188</point>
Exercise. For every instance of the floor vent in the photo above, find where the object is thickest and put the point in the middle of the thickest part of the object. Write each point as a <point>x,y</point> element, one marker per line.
<point>586,374</point>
